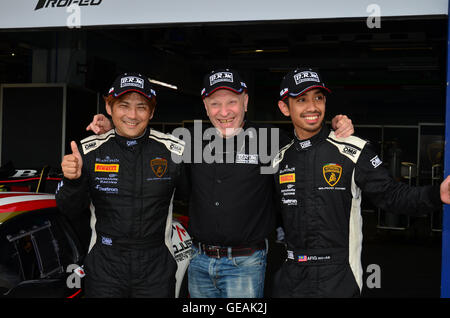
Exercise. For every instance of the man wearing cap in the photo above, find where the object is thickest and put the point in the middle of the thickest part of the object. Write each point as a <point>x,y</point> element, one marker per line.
<point>129,176</point>
<point>319,181</point>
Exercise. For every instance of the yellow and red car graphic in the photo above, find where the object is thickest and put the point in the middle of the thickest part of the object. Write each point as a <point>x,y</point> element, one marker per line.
<point>24,212</point>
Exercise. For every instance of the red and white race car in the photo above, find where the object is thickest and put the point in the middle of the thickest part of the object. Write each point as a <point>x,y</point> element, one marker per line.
<point>42,251</point>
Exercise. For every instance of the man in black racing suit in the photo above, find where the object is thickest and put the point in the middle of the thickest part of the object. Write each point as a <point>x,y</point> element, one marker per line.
<point>129,176</point>
<point>319,180</point>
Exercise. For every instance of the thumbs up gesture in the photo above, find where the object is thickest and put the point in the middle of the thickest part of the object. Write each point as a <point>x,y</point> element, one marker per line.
<point>72,164</point>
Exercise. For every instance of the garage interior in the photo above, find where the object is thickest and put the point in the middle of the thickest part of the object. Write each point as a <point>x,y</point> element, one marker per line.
<point>390,81</point>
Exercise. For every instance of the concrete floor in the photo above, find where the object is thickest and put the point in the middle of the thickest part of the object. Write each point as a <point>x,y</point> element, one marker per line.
<point>409,260</point>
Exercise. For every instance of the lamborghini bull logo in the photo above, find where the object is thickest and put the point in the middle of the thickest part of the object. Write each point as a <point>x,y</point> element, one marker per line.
<point>332,173</point>
<point>159,166</point>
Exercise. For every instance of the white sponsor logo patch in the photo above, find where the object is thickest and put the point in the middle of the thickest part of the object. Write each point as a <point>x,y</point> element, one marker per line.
<point>90,145</point>
<point>305,144</point>
<point>350,151</point>
<point>132,81</point>
<point>107,189</point>
<point>106,241</point>
<point>244,158</point>
<point>220,77</point>
<point>289,201</point>
<point>375,161</point>
<point>307,76</point>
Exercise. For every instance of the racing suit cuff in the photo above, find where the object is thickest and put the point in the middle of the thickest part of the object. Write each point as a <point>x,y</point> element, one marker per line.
<point>73,182</point>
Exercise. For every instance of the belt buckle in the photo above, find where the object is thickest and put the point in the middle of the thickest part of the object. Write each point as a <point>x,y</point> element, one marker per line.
<point>216,249</point>
<point>209,250</point>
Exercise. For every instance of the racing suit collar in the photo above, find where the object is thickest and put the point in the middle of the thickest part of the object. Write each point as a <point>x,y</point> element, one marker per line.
<point>305,144</point>
<point>131,144</point>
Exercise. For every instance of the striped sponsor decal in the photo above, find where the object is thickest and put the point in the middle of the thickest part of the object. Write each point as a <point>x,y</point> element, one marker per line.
<point>27,180</point>
<point>19,201</point>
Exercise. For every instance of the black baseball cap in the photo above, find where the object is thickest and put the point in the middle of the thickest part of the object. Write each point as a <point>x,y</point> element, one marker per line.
<point>132,82</point>
<point>301,80</point>
<point>222,78</point>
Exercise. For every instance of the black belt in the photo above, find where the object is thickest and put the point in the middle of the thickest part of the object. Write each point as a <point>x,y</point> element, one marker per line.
<point>229,251</point>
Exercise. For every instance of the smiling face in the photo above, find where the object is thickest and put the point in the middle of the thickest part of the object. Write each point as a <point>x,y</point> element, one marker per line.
<point>307,112</point>
<point>226,111</point>
<point>130,114</point>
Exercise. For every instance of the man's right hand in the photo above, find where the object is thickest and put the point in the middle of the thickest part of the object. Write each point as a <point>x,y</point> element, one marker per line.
<point>72,164</point>
<point>100,124</point>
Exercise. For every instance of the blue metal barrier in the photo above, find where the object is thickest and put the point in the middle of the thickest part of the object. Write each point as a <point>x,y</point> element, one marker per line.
<point>445,272</point>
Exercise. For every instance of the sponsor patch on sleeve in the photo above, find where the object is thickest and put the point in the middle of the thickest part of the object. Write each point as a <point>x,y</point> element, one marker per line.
<point>375,161</point>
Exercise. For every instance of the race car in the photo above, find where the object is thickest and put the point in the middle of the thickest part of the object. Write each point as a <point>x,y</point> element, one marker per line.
<point>42,251</point>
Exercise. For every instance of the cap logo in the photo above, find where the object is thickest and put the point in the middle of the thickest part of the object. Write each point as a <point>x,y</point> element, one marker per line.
<point>284,91</point>
<point>307,76</point>
<point>132,81</point>
<point>220,77</point>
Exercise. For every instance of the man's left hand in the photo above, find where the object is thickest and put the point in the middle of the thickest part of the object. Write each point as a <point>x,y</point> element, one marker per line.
<point>342,126</point>
<point>445,190</point>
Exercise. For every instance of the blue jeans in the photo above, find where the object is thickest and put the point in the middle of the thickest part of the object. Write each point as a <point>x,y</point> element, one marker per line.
<point>227,277</point>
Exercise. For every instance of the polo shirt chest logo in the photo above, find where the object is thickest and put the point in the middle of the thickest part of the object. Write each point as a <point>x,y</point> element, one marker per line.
<point>248,159</point>
<point>159,166</point>
<point>332,173</point>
